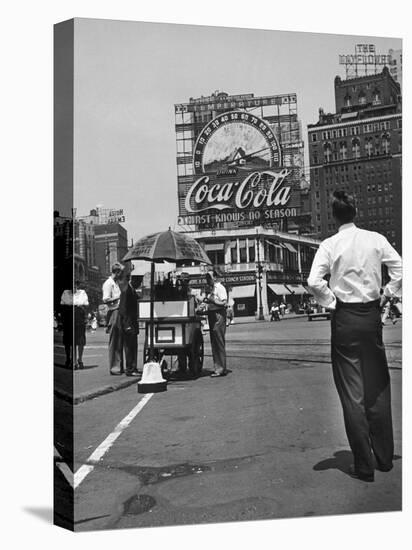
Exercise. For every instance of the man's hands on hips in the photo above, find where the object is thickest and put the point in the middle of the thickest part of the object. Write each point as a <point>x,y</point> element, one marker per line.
<point>384,300</point>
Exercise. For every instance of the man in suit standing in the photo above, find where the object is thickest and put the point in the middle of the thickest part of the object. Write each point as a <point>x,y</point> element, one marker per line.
<point>353,258</point>
<point>129,324</point>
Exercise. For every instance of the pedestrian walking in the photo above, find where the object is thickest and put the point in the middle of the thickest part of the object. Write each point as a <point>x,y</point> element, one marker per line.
<point>274,312</point>
<point>111,297</point>
<point>282,307</point>
<point>230,312</point>
<point>73,303</point>
<point>216,301</point>
<point>353,258</point>
<point>93,322</point>
<point>129,324</point>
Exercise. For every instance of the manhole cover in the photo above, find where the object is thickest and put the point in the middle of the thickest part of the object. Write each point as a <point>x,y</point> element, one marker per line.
<point>138,505</point>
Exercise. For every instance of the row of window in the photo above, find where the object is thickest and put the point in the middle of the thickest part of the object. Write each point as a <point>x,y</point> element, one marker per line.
<point>380,199</point>
<point>357,130</point>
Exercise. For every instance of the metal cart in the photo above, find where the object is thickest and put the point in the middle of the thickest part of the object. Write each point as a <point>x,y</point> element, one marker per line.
<point>176,333</point>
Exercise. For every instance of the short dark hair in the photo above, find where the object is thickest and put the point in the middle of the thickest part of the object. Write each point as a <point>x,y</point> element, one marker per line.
<point>343,207</point>
<point>117,267</point>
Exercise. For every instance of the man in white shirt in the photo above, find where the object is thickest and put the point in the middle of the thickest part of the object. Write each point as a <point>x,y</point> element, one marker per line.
<point>111,297</point>
<point>353,258</point>
<point>216,314</point>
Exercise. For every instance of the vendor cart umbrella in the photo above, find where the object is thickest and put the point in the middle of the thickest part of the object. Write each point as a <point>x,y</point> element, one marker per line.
<point>165,246</point>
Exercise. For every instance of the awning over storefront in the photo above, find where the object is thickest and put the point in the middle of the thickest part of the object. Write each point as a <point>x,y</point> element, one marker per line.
<point>297,289</point>
<point>214,246</point>
<point>244,291</point>
<point>290,247</point>
<point>278,289</point>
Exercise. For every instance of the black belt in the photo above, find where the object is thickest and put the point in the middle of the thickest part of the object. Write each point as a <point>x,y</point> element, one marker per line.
<point>364,305</point>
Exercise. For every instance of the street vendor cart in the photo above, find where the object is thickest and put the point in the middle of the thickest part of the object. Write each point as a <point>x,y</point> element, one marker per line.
<point>177,331</point>
<point>172,327</point>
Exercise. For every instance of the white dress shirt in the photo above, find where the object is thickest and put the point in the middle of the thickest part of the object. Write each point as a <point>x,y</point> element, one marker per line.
<point>79,298</point>
<point>111,291</point>
<point>219,292</point>
<point>353,257</point>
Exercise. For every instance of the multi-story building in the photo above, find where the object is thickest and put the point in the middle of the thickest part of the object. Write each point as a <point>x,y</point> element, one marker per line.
<point>359,148</point>
<point>395,66</point>
<point>242,194</point>
<point>74,258</point>
<point>111,245</point>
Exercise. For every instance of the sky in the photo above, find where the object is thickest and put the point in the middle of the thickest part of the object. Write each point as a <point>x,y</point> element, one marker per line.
<point>129,75</point>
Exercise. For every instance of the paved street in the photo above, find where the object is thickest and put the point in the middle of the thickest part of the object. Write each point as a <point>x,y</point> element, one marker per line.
<point>267,441</point>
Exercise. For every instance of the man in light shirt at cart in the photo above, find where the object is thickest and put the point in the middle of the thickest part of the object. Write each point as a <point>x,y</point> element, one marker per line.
<point>353,258</point>
<point>111,297</point>
<point>216,314</point>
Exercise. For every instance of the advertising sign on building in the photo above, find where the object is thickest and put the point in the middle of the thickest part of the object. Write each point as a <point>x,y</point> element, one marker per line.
<point>237,173</point>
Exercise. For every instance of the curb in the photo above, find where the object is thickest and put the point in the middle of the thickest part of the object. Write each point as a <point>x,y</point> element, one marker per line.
<point>239,322</point>
<point>75,400</point>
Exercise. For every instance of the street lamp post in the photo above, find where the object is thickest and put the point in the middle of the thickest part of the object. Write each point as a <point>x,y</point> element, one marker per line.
<point>259,271</point>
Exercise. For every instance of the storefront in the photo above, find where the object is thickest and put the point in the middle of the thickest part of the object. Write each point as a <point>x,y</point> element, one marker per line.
<point>258,265</point>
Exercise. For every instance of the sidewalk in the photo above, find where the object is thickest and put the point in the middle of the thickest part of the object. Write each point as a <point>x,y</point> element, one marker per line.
<point>95,379</point>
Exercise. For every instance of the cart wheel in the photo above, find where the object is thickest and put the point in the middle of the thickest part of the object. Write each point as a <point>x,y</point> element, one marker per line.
<point>195,354</point>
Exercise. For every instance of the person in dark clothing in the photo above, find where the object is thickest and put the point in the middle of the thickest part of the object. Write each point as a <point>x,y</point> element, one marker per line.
<point>353,258</point>
<point>129,324</point>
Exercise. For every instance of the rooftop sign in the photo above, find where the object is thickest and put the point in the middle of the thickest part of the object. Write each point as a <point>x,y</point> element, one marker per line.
<point>364,56</point>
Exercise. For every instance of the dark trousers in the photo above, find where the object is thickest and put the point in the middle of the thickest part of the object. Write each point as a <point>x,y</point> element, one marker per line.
<point>361,375</point>
<point>217,328</point>
<point>115,342</point>
<point>130,350</point>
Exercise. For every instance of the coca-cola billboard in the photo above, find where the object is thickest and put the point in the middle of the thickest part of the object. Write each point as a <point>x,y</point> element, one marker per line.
<point>238,176</point>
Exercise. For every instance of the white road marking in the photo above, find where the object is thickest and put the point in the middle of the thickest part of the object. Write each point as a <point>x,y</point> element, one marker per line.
<point>102,449</point>
<point>64,468</point>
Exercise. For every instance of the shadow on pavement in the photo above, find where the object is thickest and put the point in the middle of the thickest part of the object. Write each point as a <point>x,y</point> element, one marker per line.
<point>342,461</point>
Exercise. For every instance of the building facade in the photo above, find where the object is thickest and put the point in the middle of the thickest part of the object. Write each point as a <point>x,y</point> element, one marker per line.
<point>359,149</point>
<point>111,246</point>
<point>75,258</point>
<point>243,196</point>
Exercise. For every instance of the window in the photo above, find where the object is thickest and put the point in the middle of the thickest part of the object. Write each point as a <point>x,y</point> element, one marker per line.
<point>347,100</point>
<point>356,148</point>
<point>314,137</point>
<point>376,97</point>
<point>242,250</point>
<point>252,250</point>
<point>327,151</point>
<point>233,252</point>
<point>343,151</point>
<point>368,147</point>
<point>361,98</point>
